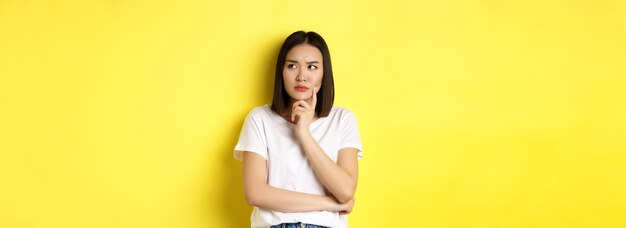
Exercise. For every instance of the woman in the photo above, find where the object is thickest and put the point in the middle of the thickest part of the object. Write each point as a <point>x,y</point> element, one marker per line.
<point>300,154</point>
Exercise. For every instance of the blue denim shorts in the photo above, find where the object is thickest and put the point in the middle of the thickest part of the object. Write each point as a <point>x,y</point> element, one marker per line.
<point>297,225</point>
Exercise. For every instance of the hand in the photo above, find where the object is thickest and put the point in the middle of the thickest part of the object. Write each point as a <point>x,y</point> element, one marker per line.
<point>346,208</point>
<point>303,113</point>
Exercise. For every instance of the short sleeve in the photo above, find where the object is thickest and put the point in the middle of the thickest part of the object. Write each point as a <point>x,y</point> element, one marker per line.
<point>252,137</point>
<point>349,133</point>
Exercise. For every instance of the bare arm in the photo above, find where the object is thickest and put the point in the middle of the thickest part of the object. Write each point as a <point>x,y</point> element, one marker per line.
<point>260,194</point>
<point>340,179</point>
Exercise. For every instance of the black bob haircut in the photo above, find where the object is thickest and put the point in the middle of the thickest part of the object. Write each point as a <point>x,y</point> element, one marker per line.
<point>326,93</point>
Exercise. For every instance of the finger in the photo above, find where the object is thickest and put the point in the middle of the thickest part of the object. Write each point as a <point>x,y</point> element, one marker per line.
<point>296,113</point>
<point>296,104</point>
<point>314,97</point>
<point>301,103</point>
<point>293,115</point>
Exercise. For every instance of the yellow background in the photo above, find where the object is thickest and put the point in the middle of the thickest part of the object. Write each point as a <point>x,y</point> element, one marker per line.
<point>472,113</point>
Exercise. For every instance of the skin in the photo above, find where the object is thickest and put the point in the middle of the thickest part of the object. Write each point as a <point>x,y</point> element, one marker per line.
<point>304,67</point>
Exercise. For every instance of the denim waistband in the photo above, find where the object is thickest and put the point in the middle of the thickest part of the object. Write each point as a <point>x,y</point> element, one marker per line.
<point>297,225</point>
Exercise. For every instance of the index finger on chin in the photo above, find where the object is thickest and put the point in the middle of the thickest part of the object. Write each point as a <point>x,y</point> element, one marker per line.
<point>314,97</point>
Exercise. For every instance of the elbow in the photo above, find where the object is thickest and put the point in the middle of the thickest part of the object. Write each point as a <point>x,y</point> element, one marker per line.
<point>256,195</point>
<point>346,193</point>
<point>345,196</point>
<point>253,193</point>
<point>343,200</point>
<point>251,199</point>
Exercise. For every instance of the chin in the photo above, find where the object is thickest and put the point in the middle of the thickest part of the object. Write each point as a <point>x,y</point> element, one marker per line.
<point>298,96</point>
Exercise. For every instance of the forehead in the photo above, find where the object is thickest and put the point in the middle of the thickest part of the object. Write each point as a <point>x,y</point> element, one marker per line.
<point>305,52</point>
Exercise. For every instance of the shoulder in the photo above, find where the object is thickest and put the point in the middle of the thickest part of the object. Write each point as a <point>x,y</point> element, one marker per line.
<point>260,112</point>
<point>341,114</point>
<point>338,111</point>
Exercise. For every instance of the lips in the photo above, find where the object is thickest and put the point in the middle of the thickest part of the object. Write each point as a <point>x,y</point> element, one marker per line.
<point>301,88</point>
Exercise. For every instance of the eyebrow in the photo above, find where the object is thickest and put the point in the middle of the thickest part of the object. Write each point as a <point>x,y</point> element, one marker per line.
<point>294,61</point>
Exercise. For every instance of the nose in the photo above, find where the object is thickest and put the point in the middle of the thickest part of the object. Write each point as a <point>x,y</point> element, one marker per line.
<point>301,77</point>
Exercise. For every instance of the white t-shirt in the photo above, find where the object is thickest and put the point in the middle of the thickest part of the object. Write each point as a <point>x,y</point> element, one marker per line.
<point>267,134</point>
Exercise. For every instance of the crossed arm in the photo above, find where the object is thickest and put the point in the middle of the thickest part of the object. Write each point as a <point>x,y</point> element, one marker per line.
<point>339,179</point>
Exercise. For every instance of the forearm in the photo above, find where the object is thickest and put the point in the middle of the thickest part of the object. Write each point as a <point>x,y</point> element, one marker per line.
<point>259,193</point>
<point>337,180</point>
<point>276,199</point>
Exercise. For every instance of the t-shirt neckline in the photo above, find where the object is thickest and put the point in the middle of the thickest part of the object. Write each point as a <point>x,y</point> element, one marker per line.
<point>290,124</point>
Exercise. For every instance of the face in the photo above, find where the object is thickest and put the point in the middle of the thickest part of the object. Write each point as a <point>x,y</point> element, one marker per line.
<point>303,70</point>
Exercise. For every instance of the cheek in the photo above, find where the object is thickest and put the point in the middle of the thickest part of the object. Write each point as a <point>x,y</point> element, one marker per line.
<point>287,76</point>
<point>288,80</point>
<point>318,79</point>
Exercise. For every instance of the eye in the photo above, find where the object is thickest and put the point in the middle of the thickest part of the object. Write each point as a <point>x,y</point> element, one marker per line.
<point>312,67</point>
<point>291,66</point>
